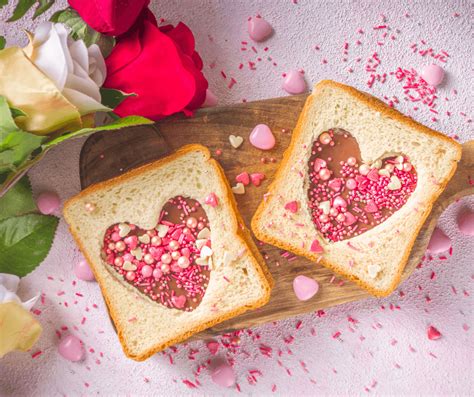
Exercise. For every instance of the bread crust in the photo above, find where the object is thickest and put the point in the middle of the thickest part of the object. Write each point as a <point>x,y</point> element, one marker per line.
<point>381,107</point>
<point>263,273</point>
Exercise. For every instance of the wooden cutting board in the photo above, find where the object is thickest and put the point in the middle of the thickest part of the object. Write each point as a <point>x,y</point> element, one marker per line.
<point>107,154</point>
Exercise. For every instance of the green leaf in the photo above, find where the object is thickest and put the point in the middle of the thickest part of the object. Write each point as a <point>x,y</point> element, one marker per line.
<point>17,112</point>
<point>25,242</point>
<point>21,9</point>
<point>16,145</point>
<point>81,31</point>
<point>18,200</point>
<point>3,3</point>
<point>3,42</point>
<point>43,6</point>
<point>112,98</point>
<point>116,125</point>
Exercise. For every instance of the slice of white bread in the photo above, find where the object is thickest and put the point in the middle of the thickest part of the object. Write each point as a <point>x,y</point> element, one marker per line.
<point>145,327</point>
<point>379,131</point>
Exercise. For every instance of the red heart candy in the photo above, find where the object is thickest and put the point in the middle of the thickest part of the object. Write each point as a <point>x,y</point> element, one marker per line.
<point>257,178</point>
<point>243,178</point>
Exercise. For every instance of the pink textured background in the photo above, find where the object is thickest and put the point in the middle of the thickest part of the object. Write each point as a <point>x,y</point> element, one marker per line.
<point>384,349</point>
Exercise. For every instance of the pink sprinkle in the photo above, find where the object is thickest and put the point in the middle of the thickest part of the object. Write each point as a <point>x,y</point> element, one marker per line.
<point>190,384</point>
<point>37,354</point>
<point>433,333</point>
<point>336,335</point>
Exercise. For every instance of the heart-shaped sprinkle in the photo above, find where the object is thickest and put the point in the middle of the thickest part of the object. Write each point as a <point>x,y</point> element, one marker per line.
<point>83,271</point>
<point>211,99</point>
<point>292,206</point>
<point>223,375</point>
<point>165,263</point>
<point>305,288</point>
<point>294,83</point>
<point>316,247</point>
<point>239,188</point>
<point>71,348</point>
<point>243,178</point>
<point>262,137</point>
<point>213,347</point>
<point>257,178</point>
<point>212,200</point>
<point>259,29</point>
<point>373,270</point>
<point>346,196</point>
<point>433,333</point>
<point>235,141</point>
<point>466,223</point>
<point>439,242</point>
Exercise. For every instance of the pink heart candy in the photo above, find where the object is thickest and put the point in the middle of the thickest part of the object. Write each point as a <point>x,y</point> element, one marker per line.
<point>71,348</point>
<point>83,271</point>
<point>305,288</point>
<point>466,223</point>
<point>316,247</point>
<point>179,301</point>
<point>371,206</point>
<point>318,164</point>
<point>339,202</point>
<point>257,178</point>
<point>223,375</point>
<point>243,178</point>
<point>350,219</point>
<point>262,137</point>
<point>211,99</point>
<point>335,184</point>
<point>294,83</point>
<point>433,74</point>
<point>439,242</point>
<point>213,347</point>
<point>259,29</point>
<point>212,200</point>
<point>48,202</point>
<point>292,206</point>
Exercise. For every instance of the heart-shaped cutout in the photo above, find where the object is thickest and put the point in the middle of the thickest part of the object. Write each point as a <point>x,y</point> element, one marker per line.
<point>170,264</point>
<point>347,197</point>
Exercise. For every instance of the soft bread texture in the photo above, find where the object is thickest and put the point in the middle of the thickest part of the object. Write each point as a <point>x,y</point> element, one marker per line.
<point>379,131</point>
<point>137,197</point>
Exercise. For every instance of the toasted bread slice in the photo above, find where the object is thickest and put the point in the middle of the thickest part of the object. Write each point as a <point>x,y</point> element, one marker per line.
<point>239,279</point>
<point>374,259</point>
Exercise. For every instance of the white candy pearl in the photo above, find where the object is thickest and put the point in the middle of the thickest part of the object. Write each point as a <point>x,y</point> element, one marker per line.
<point>120,246</point>
<point>166,259</point>
<point>155,240</point>
<point>148,259</point>
<point>174,245</point>
<point>183,262</point>
<point>191,222</point>
<point>175,255</point>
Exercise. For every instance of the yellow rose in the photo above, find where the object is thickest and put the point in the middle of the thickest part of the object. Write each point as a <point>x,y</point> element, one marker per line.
<point>54,80</point>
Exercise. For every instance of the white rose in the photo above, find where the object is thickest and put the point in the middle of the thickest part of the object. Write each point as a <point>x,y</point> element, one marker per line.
<point>8,287</point>
<point>77,71</point>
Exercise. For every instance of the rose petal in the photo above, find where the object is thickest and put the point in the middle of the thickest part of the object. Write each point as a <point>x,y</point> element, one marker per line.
<point>97,68</point>
<point>84,103</point>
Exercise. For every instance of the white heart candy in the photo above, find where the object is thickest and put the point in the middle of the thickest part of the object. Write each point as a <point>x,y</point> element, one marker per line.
<point>128,266</point>
<point>201,243</point>
<point>124,229</point>
<point>205,252</point>
<point>137,253</point>
<point>325,206</point>
<point>162,230</point>
<point>144,238</point>
<point>373,270</point>
<point>395,183</point>
<point>204,233</point>
<point>235,141</point>
<point>239,188</point>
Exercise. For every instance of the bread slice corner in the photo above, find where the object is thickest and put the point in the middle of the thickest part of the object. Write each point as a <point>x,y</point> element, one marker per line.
<point>378,130</point>
<point>242,285</point>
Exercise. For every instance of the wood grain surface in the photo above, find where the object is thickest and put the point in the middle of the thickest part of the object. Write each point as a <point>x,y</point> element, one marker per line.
<point>107,154</point>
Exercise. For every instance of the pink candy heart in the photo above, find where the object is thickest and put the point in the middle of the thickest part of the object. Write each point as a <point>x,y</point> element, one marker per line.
<point>243,178</point>
<point>262,137</point>
<point>83,271</point>
<point>292,206</point>
<point>433,333</point>
<point>257,178</point>
<point>213,347</point>
<point>439,242</point>
<point>294,83</point>
<point>211,200</point>
<point>48,202</point>
<point>466,223</point>
<point>71,348</point>
<point>305,288</point>
<point>223,375</point>
<point>179,301</point>
<point>259,29</point>
<point>316,247</point>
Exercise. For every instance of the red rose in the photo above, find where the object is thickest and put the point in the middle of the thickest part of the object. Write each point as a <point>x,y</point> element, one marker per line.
<point>111,17</point>
<point>161,66</point>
